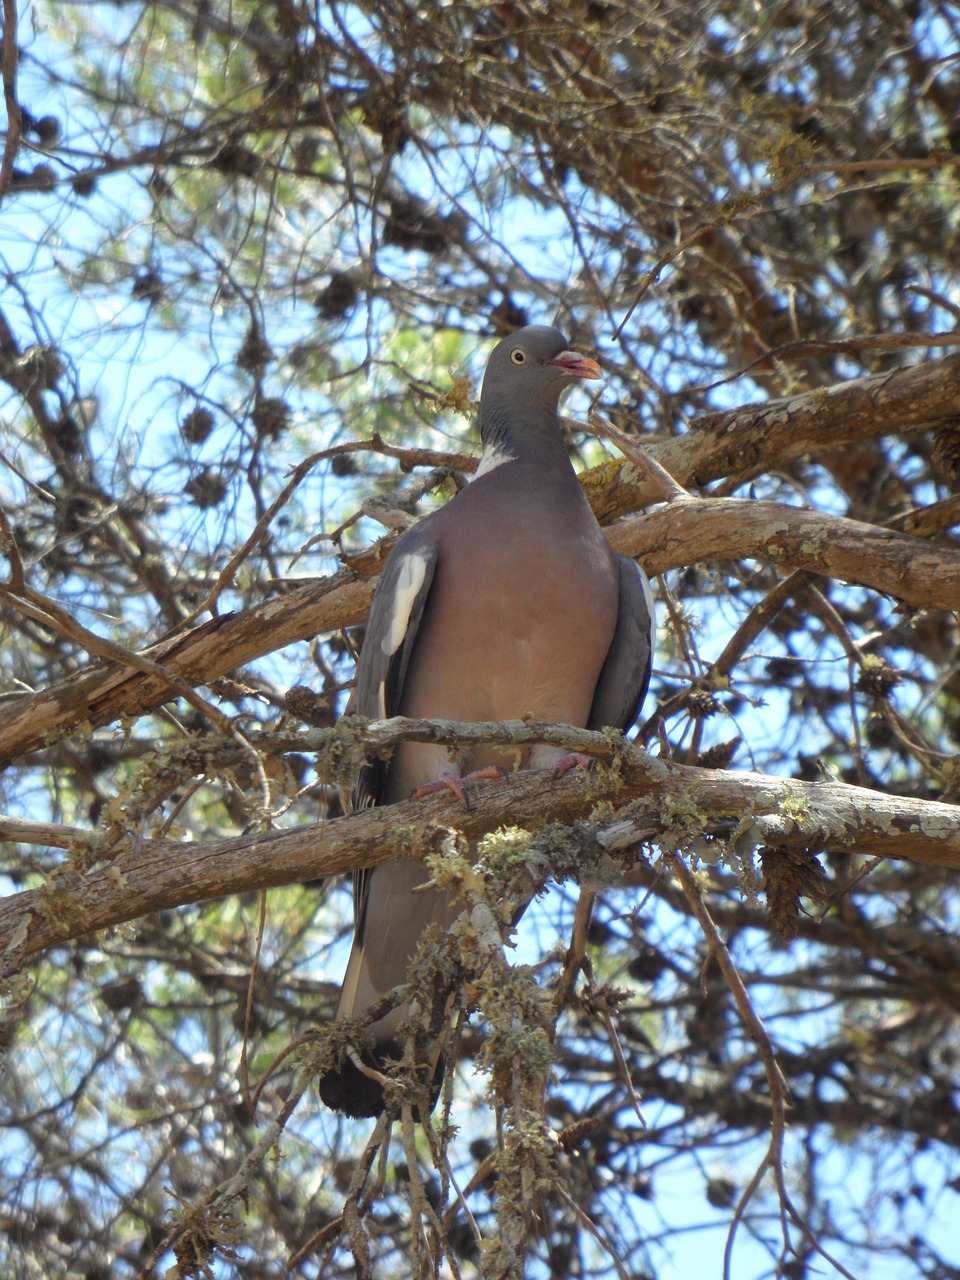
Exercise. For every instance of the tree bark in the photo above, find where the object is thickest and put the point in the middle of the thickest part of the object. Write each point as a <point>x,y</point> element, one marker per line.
<point>921,572</point>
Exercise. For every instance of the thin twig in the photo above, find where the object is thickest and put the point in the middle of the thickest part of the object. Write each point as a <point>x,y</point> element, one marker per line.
<point>8,545</point>
<point>725,218</point>
<point>811,348</point>
<point>747,204</point>
<point>375,1143</point>
<point>614,1037</point>
<point>42,609</point>
<point>229,571</point>
<point>905,164</point>
<point>233,1188</point>
<point>248,1007</point>
<point>46,611</point>
<point>585,1220</point>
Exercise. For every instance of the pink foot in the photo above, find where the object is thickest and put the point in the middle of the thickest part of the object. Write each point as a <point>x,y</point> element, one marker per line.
<point>572,760</point>
<point>454,782</point>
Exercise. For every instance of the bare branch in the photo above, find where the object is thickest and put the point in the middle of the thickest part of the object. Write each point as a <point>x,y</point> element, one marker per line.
<point>101,694</point>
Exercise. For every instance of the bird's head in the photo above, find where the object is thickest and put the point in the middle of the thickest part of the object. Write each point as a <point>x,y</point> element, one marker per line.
<point>532,366</point>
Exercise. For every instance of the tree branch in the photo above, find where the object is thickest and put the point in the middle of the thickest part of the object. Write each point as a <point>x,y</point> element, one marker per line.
<point>682,804</point>
<point>11,53</point>
<point>741,441</point>
<point>923,574</point>
<point>103,693</point>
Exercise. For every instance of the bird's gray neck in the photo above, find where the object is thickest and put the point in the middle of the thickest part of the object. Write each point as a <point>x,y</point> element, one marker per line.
<point>538,440</point>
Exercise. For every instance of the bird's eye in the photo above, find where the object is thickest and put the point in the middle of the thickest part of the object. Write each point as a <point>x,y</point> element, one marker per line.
<point>518,355</point>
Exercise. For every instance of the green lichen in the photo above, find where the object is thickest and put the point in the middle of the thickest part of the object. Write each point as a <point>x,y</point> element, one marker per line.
<point>514,866</point>
<point>343,752</point>
<point>682,820</point>
<point>450,866</point>
<point>796,807</point>
<point>406,839</point>
<point>518,1012</point>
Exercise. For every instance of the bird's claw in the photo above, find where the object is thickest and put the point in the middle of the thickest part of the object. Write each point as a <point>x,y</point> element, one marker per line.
<point>572,760</point>
<point>448,782</point>
<point>454,782</point>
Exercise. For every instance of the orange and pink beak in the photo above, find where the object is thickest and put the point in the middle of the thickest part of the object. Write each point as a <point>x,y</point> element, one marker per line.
<point>573,365</point>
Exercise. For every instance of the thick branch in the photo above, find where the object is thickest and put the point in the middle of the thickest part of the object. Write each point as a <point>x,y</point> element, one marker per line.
<point>755,438</point>
<point>920,572</point>
<point>100,694</point>
<point>151,875</point>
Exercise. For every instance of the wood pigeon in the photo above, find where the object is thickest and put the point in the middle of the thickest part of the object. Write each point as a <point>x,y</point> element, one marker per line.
<point>506,602</point>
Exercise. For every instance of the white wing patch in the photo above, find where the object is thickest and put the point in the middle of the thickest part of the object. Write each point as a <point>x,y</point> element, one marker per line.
<point>651,608</point>
<point>409,581</point>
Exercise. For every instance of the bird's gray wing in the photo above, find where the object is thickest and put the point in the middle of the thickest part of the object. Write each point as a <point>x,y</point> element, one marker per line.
<point>388,646</point>
<point>625,674</point>
<point>391,636</point>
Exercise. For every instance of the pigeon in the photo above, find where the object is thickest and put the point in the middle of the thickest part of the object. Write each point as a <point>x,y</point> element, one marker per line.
<point>506,602</point>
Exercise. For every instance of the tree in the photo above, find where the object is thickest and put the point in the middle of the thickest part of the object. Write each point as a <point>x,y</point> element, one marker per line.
<point>252,256</point>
